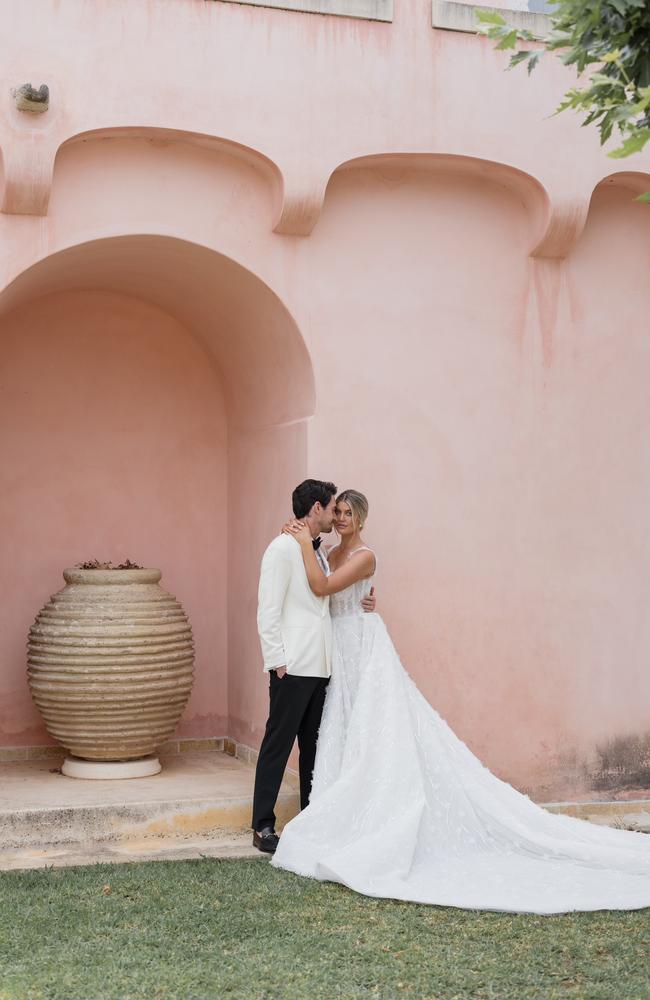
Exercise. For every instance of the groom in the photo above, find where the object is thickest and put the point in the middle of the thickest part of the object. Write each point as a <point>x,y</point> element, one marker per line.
<point>295,634</point>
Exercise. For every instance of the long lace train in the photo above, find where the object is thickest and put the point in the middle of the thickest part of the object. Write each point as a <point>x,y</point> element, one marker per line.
<point>401,808</point>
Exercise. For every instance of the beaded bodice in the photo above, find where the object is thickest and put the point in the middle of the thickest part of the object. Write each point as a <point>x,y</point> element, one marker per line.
<point>348,602</point>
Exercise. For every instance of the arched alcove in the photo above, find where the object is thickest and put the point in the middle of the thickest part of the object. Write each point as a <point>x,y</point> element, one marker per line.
<point>202,181</point>
<point>393,169</point>
<point>155,401</point>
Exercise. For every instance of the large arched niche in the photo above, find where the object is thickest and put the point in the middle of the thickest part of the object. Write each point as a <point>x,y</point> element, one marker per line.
<point>158,394</point>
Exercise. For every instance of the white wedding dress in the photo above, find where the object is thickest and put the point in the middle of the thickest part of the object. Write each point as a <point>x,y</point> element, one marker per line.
<point>400,808</point>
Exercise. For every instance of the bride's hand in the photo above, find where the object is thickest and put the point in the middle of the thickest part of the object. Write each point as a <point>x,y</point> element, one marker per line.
<point>298,529</point>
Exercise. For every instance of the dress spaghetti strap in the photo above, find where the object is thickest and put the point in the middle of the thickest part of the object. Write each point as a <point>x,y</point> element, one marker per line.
<point>364,548</point>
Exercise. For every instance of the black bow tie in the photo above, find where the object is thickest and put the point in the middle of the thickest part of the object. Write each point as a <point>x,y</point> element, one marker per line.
<point>316,543</point>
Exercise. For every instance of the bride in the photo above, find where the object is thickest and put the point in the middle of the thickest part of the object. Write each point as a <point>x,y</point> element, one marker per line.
<point>400,808</point>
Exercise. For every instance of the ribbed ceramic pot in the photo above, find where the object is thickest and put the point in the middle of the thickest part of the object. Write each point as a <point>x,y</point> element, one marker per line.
<point>110,663</point>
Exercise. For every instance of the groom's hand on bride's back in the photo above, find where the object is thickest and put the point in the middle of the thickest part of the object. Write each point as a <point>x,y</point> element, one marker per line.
<point>369,602</point>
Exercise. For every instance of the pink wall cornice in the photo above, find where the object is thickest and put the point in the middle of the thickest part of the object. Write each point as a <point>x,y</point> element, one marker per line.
<point>301,94</point>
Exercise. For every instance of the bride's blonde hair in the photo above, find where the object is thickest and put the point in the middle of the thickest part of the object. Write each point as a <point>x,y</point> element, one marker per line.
<point>358,505</point>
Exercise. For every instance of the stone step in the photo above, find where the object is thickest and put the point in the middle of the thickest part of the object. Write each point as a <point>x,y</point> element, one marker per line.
<point>236,845</point>
<point>138,820</point>
<point>196,797</point>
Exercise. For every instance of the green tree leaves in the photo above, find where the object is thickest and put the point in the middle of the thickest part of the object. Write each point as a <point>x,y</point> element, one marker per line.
<point>613,37</point>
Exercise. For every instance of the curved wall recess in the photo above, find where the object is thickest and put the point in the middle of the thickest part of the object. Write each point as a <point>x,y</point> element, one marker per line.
<point>297,192</point>
<point>569,211</point>
<point>557,215</point>
<point>266,375</point>
<point>243,325</point>
<point>201,140</point>
<point>634,181</point>
<point>527,188</point>
<point>30,163</point>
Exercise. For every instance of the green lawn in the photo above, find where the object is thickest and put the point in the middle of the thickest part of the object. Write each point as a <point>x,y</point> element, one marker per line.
<point>241,929</point>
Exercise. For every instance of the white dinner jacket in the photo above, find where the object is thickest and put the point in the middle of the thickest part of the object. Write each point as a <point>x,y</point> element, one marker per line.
<point>294,625</point>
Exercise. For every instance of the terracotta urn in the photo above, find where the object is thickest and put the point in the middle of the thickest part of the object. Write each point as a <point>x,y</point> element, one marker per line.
<point>110,668</point>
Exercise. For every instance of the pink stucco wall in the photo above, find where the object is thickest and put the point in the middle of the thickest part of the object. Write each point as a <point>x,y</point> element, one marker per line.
<point>246,245</point>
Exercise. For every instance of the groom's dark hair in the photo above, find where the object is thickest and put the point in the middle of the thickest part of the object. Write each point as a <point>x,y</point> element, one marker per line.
<point>308,493</point>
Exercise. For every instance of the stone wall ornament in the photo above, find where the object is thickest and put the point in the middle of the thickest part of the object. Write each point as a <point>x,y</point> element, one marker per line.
<point>28,98</point>
<point>110,668</point>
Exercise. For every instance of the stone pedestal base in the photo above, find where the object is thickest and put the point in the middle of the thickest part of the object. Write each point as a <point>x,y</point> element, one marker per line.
<point>104,770</point>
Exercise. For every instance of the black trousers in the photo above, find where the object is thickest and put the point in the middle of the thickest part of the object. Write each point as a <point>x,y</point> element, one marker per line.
<point>296,706</point>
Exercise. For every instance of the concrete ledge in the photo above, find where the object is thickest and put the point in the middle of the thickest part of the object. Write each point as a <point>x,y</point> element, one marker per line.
<point>462,17</point>
<point>633,814</point>
<point>98,853</point>
<point>135,821</point>
<point>368,10</point>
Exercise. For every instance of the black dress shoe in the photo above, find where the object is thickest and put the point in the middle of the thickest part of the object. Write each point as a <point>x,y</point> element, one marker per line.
<point>266,840</point>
